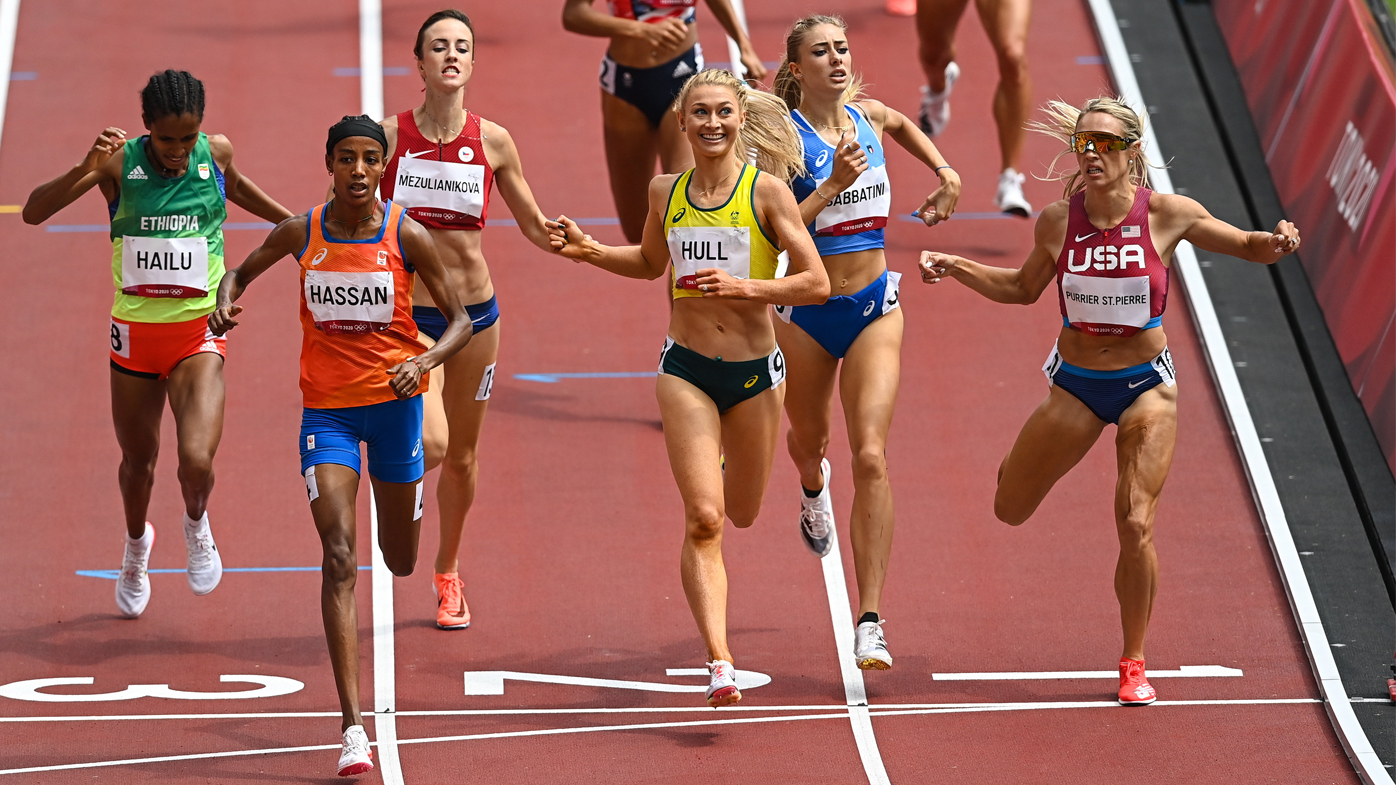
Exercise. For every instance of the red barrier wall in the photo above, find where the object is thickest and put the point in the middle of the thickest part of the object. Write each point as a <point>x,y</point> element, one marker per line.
<point>1323,95</point>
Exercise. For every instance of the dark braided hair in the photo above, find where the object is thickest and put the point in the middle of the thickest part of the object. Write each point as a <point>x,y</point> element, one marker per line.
<point>449,13</point>
<point>172,92</point>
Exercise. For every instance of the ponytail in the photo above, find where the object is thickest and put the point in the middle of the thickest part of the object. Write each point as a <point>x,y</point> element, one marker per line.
<point>767,134</point>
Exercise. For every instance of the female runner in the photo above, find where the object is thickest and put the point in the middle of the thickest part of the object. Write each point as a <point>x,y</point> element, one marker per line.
<point>166,194</point>
<point>1111,362</point>
<point>362,368</point>
<point>721,224</point>
<point>442,162</point>
<point>845,199</point>
<point>654,50</point>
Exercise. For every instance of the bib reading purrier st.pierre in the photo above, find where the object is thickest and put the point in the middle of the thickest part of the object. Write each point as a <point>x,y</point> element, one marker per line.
<point>167,237</point>
<point>728,237</point>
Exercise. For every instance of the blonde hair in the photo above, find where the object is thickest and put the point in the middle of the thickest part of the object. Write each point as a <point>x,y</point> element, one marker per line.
<point>767,135</point>
<point>785,85</point>
<point>1062,120</point>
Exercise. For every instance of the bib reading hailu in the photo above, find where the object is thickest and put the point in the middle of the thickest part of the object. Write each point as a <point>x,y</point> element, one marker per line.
<point>1111,281</point>
<point>356,314</point>
<point>727,237</point>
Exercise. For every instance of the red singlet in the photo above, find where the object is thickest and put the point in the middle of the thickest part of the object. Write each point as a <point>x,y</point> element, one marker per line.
<point>1111,282</point>
<point>654,10</point>
<point>443,186</point>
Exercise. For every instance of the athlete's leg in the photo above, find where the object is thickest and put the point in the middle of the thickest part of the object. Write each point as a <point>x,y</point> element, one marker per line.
<point>749,434</point>
<point>1055,438</point>
<point>693,437</point>
<point>631,145</point>
<point>936,21</point>
<point>399,523</point>
<point>434,430</point>
<point>334,513</point>
<point>465,417</point>
<point>868,387</point>
<point>137,406</point>
<point>809,400</point>
<point>1144,451</point>
<point>196,393</point>
<point>675,153</point>
<point>1006,22</point>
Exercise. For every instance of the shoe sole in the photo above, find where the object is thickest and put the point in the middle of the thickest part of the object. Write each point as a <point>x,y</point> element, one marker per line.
<point>874,664</point>
<point>449,627</point>
<point>724,697</point>
<point>356,769</point>
<point>1137,703</point>
<point>1018,211</point>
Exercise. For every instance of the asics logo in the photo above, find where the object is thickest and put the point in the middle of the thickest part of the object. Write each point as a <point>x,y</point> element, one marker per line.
<point>751,382</point>
<point>868,310</point>
<point>416,448</point>
<point>679,215</point>
<point>320,257</point>
<point>1081,237</point>
<point>824,156</point>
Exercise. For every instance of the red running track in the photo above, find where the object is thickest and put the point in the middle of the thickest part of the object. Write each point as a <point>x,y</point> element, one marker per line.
<point>571,553</point>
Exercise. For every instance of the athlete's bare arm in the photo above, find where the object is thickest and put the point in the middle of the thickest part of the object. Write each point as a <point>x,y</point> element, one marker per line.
<point>420,251</point>
<point>508,177</point>
<point>1173,218</point>
<point>725,16</point>
<point>805,281</point>
<point>101,167</point>
<point>579,17</point>
<point>940,205</point>
<point>648,260</point>
<point>1001,284</point>
<point>285,239</point>
<point>240,190</point>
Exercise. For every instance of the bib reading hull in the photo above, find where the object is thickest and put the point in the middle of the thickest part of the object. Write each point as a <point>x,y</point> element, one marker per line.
<point>727,237</point>
<point>702,248</point>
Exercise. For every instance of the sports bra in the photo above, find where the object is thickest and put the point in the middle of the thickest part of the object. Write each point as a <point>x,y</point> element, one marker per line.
<point>1111,281</point>
<point>654,10</point>
<point>443,186</point>
<point>727,237</point>
<point>858,216</point>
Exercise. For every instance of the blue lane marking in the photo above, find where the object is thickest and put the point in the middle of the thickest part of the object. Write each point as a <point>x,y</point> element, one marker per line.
<point>388,70</point>
<point>232,227</point>
<point>23,76</point>
<point>1090,60</point>
<point>554,378</point>
<point>112,575</point>
<point>966,217</point>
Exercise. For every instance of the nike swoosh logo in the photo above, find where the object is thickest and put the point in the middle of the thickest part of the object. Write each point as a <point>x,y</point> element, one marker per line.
<point>1136,384</point>
<point>410,154</point>
<point>1081,237</point>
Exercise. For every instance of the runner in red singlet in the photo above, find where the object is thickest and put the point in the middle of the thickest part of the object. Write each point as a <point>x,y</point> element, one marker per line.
<point>1107,245</point>
<point>442,163</point>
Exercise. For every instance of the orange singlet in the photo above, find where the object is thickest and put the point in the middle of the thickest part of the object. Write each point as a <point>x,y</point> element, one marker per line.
<point>356,313</point>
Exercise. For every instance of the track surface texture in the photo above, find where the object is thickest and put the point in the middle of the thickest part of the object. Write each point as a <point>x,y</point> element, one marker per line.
<point>571,551</point>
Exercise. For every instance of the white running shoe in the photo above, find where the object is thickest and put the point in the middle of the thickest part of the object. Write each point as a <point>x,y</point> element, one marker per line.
<point>817,518</point>
<point>935,107</point>
<point>133,584</point>
<point>205,565</point>
<point>1010,197</point>
<point>722,684</point>
<point>355,757</point>
<point>870,648</point>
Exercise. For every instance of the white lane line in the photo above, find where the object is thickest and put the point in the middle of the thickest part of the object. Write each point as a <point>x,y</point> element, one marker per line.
<point>854,691</point>
<point>384,659</point>
<point>734,52</point>
<point>371,58</point>
<point>9,28</point>
<point>1184,672</point>
<point>1272,515</point>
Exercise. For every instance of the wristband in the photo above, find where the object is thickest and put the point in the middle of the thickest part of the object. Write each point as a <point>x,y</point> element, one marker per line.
<point>420,368</point>
<point>821,195</point>
<point>947,166</point>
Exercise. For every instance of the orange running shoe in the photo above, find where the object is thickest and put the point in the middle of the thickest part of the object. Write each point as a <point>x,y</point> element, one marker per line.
<point>451,611</point>
<point>1135,689</point>
<point>901,7</point>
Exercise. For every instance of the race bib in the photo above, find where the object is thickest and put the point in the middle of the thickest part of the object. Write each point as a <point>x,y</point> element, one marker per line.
<point>164,266</point>
<point>863,206</point>
<point>350,302</point>
<point>441,185</point>
<point>1106,301</point>
<point>892,297</point>
<point>694,248</point>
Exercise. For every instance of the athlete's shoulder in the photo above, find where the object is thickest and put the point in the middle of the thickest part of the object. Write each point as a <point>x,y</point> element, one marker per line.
<point>871,108</point>
<point>494,135</point>
<point>1053,218</point>
<point>221,149</point>
<point>769,186</point>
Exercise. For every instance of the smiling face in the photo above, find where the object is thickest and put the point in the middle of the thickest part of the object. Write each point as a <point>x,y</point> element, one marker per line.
<point>825,65</point>
<point>448,55</point>
<point>357,166</point>
<point>711,119</point>
<point>1099,166</point>
<point>172,139</point>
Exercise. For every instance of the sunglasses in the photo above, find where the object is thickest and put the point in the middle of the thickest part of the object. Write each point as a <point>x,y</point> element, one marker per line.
<point>1099,141</point>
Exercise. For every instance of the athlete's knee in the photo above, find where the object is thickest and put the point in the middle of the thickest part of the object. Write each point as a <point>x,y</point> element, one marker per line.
<point>462,463</point>
<point>741,517</point>
<point>139,464</point>
<point>433,451</point>
<point>400,565</point>
<point>1013,63</point>
<point>1010,511</point>
<point>807,446</point>
<point>340,566</point>
<point>869,464</point>
<point>704,521</point>
<point>195,468</point>
<point>1136,527</point>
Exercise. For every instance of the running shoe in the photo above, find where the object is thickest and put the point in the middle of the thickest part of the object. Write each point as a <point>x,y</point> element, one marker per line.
<point>1135,689</point>
<point>935,107</point>
<point>722,684</point>
<point>133,584</point>
<point>1010,197</point>
<point>355,757</point>
<point>901,7</point>
<point>870,647</point>
<point>451,611</point>
<point>205,565</point>
<point>817,518</point>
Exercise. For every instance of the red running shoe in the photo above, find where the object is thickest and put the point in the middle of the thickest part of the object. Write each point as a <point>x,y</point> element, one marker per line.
<point>1135,689</point>
<point>451,611</point>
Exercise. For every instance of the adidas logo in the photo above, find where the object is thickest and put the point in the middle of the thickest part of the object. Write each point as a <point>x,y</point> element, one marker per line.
<point>683,69</point>
<point>137,174</point>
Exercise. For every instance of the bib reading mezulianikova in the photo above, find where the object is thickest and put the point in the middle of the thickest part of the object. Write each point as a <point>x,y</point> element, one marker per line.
<point>862,207</point>
<point>694,248</point>
<point>164,266</point>
<point>1096,300</point>
<point>350,302</point>
<point>442,185</point>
